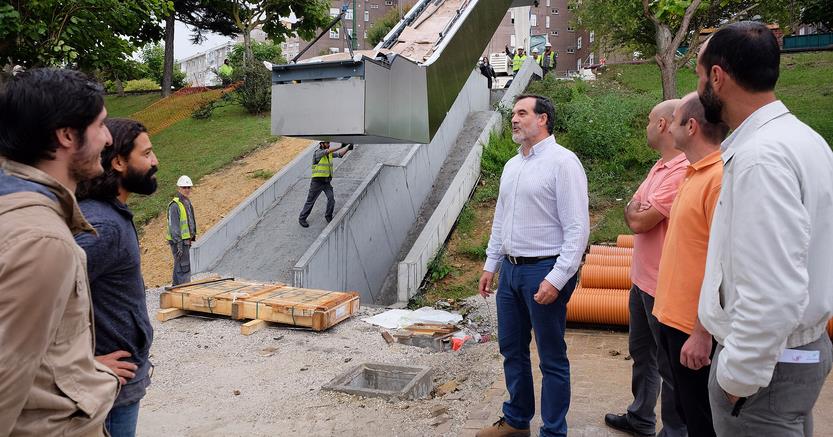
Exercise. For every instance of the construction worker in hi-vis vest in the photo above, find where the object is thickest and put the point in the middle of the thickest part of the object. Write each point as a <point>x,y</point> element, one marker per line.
<point>182,230</point>
<point>322,175</point>
<point>518,58</point>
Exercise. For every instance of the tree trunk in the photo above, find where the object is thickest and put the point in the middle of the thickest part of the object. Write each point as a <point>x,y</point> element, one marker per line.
<point>248,58</point>
<point>168,68</point>
<point>119,87</point>
<point>666,62</point>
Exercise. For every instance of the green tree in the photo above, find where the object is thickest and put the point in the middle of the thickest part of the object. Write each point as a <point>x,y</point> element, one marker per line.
<point>660,28</point>
<point>87,34</point>
<point>819,12</point>
<point>379,29</point>
<point>247,15</point>
<point>261,51</point>
<point>153,59</point>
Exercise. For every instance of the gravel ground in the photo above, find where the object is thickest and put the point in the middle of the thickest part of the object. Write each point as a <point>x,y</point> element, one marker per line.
<point>211,380</point>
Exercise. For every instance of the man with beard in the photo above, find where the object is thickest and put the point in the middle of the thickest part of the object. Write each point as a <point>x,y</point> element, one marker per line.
<point>539,234</point>
<point>122,326</point>
<point>52,133</point>
<point>766,295</point>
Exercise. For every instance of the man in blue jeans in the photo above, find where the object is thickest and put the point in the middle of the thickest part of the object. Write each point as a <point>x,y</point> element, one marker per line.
<point>539,234</point>
<point>123,333</point>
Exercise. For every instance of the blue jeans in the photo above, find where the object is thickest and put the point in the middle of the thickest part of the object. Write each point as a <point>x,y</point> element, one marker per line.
<point>518,315</point>
<point>121,422</point>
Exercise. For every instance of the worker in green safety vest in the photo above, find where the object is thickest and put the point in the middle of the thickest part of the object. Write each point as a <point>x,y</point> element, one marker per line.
<point>322,175</point>
<point>518,58</point>
<point>182,230</point>
<point>225,71</point>
<point>548,59</point>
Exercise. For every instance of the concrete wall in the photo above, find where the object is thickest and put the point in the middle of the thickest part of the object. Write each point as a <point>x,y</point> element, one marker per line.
<point>355,251</point>
<point>209,249</point>
<point>414,267</point>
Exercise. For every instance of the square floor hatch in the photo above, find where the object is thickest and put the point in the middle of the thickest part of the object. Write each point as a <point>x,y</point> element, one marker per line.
<point>384,381</point>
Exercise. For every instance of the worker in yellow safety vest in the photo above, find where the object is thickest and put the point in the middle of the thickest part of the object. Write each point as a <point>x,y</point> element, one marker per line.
<point>322,175</point>
<point>182,230</point>
<point>518,58</point>
<point>225,71</point>
<point>548,59</point>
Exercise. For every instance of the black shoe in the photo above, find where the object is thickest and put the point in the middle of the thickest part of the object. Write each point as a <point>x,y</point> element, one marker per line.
<point>329,219</point>
<point>621,423</point>
<point>303,223</point>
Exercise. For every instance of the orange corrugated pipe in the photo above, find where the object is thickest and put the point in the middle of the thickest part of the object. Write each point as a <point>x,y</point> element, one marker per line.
<point>624,240</point>
<point>598,305</point>
<point>594,276</point>
<point>830,328</point>
<point>610,250</point>
<point>607,260</point>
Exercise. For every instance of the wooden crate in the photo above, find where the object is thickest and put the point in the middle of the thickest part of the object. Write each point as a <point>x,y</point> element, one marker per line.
<point>260,303</point>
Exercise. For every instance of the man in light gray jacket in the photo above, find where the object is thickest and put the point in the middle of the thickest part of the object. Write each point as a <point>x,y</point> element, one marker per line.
<point>767,293</point>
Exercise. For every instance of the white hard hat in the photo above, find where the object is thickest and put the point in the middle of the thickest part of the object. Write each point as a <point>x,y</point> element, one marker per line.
<point>547,45</point>
<point>534,50</point>
<point>184,181</point>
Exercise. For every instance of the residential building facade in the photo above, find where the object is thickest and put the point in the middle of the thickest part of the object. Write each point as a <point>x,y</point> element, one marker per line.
<point>201,69</point>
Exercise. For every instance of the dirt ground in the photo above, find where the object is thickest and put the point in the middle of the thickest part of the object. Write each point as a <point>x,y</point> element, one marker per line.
<point>213,197</point>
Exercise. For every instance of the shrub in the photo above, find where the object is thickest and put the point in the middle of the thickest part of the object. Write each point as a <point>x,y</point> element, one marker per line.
<point>255,90</point>
<point>141,85</point>
<point>500,149</point>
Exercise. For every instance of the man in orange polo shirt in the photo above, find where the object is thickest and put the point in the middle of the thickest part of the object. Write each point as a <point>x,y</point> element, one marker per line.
<point>688,345</point>
<point>647,216</point>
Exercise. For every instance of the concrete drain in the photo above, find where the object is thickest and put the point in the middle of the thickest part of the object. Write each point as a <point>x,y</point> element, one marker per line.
<point>384,381</point>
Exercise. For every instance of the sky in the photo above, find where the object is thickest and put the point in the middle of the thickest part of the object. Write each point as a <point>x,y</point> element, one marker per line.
<point>183,47</point>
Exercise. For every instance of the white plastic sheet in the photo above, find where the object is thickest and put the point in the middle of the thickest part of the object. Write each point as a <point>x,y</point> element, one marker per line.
<point>398,319</point>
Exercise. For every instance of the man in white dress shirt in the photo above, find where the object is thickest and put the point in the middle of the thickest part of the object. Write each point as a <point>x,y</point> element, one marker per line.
<point>539,235</point>
<point>767,293</point>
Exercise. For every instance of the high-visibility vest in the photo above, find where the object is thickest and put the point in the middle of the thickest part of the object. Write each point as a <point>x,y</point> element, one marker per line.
<point>225,70</point>
<point>552,60</point>
<point>184,231</point>
<point>517,61</point>
<point>324,167</point>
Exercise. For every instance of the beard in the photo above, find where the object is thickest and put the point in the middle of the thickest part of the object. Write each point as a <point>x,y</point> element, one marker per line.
<point>712,105</point>
<point>85,165</point>
<point>140,183</point>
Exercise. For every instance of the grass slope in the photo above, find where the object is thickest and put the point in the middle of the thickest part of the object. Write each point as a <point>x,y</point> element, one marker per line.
<point>129,104</point>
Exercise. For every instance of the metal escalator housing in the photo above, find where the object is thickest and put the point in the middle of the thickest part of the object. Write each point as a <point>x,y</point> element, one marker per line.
<point>378,101</point>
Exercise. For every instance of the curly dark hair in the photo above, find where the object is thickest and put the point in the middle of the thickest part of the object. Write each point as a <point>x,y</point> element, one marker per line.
<point>106,186</point>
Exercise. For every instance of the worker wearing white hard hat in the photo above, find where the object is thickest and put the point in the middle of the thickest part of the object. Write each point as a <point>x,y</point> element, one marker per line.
<point>182,230</point>
<point>548,59</point>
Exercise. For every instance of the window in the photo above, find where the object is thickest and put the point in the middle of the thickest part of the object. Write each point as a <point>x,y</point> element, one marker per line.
<point>374,6</point>
<point>554,33</point>
<point>366,15</point>
<point>512,16</point>
<point>547,21</point>
<point>571,50</point>
<point>578,64</point>
<point>512,40</point>
<point>578,42</point>
<point>571,29</point>
<point>555,11</point>
<point>365,34</point>
<point>592,37</point>
<point>335,34</point>
<point>334,12</point>
<point>333,49</point>
<point>591,59</point>
<point>348,15</point>
<point>533,20</point>
<point>388,2</point>
<point>548,3</point>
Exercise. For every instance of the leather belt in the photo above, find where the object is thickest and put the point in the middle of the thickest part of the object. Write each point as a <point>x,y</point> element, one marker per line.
<point>517,260</point>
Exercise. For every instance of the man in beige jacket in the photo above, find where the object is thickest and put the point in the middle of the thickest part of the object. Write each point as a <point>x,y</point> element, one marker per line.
<point>51,135</point>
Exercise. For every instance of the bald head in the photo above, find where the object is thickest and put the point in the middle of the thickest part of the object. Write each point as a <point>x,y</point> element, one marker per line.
<point>658,121</point>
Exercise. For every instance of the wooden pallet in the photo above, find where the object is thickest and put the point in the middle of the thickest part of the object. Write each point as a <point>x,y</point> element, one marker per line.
<point>260,303</point>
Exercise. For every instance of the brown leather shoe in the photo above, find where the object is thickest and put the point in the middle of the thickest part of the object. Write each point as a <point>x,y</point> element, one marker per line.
<point>502,429</point>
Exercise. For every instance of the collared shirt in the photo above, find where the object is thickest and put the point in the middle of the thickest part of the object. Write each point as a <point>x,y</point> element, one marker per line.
<point>684,251</point>
<point>658,189</point>
<point>114,268</point>
<point>768,275</point>
<point>542,210</point>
